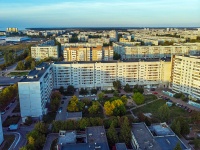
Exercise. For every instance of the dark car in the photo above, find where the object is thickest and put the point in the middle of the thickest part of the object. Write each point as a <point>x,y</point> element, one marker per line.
<point>152,89</point>
<point>7,108</point>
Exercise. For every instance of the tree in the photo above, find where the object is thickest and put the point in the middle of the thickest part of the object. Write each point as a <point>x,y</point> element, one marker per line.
<point>83,91</point>
<point>115,107</point>
<point>124,99</point>
<point>138,98</point>
<point>28,120</point>
<point>115,94</point>
<point>137,89</point>
<point>75,105</point>
<point>112,135</point>
<point>175,126</point>
<point>61,90</point>
<point>94,91</point>
<point>125,132</point>
<point>101,96</point>
<point>196,143</point>
<point>83,123</point>
<point>20,66</point>
<point>94,108</point>
<point>178,146</point>
<point>41,127</point>
<point>117,85</point>
<point>70,89</point>
<point>164,113</point>
<point>116,56</point>
<point>55,100</point>
<point>127,88</point>
<point>33,64</point>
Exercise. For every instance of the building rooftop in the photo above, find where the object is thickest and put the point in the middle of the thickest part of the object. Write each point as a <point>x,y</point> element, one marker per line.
<point>74,115</point>
<point>161,129</point>
<point>67,137</point>
<point>37,73</point>
<point>144,137</point>
<point>120,146</point>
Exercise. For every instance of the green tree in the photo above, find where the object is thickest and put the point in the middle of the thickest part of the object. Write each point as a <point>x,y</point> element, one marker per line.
<point>112,135</point>
<point>61,90</point>
<point>138,98</point>
<point>127,88</point>
<point>125,132</point>
<point>115,94</point>
<point>137,89</point>
<point>196,143</point>
<point>28,120</point>
<point>41,127</point>
<point>33,64</point>
<point>175,126</point>
<point>94,91</point>
<point>83,123</point>
<point>55,100</point>
<point>178,147</point>
<point>70,89</point>
<point>20,66</point>
<point>117,85</point>
<point>116,56</point>
<point>83,91</point>
<point>94,108</point>
<point>164,113</point>
<point>124,99</point>
<point>101,96</point>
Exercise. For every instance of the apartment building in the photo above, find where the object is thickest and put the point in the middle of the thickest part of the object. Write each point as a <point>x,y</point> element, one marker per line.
<point>102,74</point>
<point>1,132</point>
<point>113,36</point>
<point>98,53</point>
<point>132,52</point>
<point>35,90</point>
<point>124,40</point>
<point>99,40</point>
<point>41,52</point>
<point>77,54</point>
<point>62,39</point>
<point>185,76</point>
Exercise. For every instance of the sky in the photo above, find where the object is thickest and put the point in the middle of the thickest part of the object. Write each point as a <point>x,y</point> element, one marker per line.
<point>99,13</point>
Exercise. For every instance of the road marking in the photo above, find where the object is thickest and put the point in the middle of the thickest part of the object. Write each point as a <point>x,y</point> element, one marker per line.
<point>15,140</point>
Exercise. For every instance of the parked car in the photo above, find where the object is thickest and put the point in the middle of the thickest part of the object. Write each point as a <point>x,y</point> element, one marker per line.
<point>3,112</point>
<point>152,89</point>
<point>7,108</point>
<point>155,92</point>
<point>60,110</point>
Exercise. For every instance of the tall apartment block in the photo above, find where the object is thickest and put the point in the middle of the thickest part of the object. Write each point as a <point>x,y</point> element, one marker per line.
<point>98,53</point>
<point>186,75</point>
<point>102,74</point>
<point>35,90</point>
<point>1,132</point>
<point>41,52</point>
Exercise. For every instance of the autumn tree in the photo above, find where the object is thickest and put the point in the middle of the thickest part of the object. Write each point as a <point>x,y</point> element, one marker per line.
<point>20,66</point>
<point>94,108</point>
<point>138,98</point>
<point>115,107</point>
<point>75,105</point>
<point>124,99</point>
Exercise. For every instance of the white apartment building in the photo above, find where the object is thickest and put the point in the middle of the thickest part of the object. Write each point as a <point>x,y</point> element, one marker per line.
<point>113,36</point>
<point>102,74</point>
<point>132,52</point>
<point>35,91</point>
<point>1,132</point>
<point>108,53</point>
<point>99,40</point>
<point>62,39</point>
<point>41,52</point>
<point>82,44</point>
<point>186,75</point>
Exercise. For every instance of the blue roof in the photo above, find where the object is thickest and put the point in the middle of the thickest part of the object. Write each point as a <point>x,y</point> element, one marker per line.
<point>169,142</point>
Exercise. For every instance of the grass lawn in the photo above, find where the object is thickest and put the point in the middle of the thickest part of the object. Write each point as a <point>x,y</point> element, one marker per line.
<point>49,117</point>
<point>153,108</point>
<point>8,139</point>
<point>17,108</point>
<point>11,120</point>
<point>53,144</point>
<point>18,73</point>
<point>148,98</point>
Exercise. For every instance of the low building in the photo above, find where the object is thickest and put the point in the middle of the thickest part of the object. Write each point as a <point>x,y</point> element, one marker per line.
<point>73,115</point>
<point>121,146</point>
<point>92,138</point>
<point>156,137</point>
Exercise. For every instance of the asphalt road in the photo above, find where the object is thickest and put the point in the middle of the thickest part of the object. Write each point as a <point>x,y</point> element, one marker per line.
<point>49,140</point>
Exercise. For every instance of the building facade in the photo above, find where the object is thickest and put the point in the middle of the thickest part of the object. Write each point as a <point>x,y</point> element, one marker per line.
<point>41,52</point>
<point>1,132</point>
<point>132,52</point>
<point>185,75</point>
<point>101,75</point>
<point>35,91</point>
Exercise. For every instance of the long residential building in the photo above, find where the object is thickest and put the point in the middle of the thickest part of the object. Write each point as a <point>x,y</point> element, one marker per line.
<point>35,91</point>
<point>41,52</point>
<point>98,53</point>
<point>1,132</point>
<point>101,75</point>
<point>186,75</point>
<point>132,52</point>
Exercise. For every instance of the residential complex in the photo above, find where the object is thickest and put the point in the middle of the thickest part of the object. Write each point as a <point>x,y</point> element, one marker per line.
<point>185,75</point>
<point>41,52</point>
<point>132,52</point>
<point>35,90</point>
<point>101,75</point>
<point>88,53</point>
